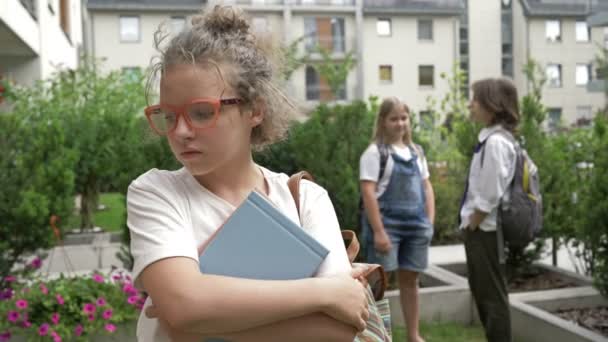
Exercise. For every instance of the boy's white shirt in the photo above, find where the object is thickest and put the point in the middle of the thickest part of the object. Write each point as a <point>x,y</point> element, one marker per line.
<point>170,214</point>
<point>369,165</point>
<point>488,184</point>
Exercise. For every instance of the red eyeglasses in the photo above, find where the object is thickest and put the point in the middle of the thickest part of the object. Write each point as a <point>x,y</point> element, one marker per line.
<point>198,114</point>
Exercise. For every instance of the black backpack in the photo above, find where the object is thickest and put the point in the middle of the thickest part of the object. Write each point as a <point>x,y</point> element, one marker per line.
<point>520,220</point>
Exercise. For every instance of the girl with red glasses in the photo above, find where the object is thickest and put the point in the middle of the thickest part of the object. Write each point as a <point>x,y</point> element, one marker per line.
<point>218,100</point>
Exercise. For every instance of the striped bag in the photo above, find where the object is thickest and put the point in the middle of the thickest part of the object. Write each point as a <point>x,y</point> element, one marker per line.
<point>379,321</point>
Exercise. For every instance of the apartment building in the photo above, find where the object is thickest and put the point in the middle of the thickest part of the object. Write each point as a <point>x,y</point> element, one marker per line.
<point>122,33</point>
<point>558,36</point>
<point>37,37</point>
<point>408,45</point>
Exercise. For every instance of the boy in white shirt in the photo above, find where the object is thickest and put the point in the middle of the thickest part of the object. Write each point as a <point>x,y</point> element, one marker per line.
<point>495,105</point>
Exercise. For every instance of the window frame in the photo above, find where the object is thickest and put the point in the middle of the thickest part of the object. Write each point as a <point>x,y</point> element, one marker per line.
<point>388,67</point>
<point>390,27</point>
<point>120,27</point>
<point>560,71</point>
<point>419,21</point>
<point>559,26</point>
<point>426,86</point>
<point>588,29</point>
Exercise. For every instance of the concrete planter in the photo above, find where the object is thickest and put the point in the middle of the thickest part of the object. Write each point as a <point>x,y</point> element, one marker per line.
<point>532,318</point>
<point>444,296</point>
<point>460,269</point>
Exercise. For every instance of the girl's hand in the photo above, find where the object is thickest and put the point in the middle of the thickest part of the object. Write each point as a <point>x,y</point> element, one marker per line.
<point>382,243</point>
<point>345,300</point>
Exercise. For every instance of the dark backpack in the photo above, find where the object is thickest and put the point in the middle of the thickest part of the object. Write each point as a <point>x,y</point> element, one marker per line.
<point>520,219</point>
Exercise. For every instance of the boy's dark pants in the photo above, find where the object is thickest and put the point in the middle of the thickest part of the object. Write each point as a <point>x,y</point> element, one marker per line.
<point>488,284</point>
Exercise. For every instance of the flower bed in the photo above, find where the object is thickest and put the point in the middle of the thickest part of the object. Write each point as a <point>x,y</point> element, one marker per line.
<point>68,308</point>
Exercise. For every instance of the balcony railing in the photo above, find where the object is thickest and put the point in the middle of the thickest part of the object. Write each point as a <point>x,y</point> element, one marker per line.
<point>30,7</point>
<point>336,44</point>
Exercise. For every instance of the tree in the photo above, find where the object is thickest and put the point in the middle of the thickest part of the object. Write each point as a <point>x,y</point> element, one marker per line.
<point>291,60</point>
<point>100,111</point>
<point>335,73</point>
<point>36,173</point>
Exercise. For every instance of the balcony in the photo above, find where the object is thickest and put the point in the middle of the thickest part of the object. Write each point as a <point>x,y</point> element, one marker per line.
<point>19,29</point>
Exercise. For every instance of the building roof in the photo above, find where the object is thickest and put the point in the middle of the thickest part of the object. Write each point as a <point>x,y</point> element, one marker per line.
<point>150,5</point>
<point>580,8</point>
<point>437,7</point>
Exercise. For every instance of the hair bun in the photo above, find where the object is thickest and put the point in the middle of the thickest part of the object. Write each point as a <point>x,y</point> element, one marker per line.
<point>223,20</point>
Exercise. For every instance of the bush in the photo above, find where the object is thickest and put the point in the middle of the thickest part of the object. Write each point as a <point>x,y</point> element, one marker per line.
<point>37,174</point>
<point>68,308</point>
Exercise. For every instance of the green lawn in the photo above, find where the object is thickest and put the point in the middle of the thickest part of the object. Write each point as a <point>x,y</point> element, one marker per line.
<point>110,219</point>
<point>443,331</point>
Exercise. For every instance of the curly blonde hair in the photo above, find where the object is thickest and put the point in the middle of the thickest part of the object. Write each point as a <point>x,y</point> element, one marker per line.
<point>250,64</point>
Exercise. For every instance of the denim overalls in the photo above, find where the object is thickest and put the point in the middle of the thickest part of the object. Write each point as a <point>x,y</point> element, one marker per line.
<point>403,211</point>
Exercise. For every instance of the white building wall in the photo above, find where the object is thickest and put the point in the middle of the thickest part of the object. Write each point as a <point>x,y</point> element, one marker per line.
<point>19,21</point>
<point>485,46</point>
<point>568,53</point>
<point>405,53</point>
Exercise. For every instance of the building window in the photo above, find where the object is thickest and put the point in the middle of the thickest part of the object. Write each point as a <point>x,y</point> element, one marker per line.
<point>554,75</point>
<point>555,118</point>
<point>177,24</point>
<point>427,121</point>
<point>386,74</point>
<point>318,89</point>
<point>425,29</point>
<point>327,33</point>
<point>259,24</point>
<point>426,75</point>
<point>129,29</point>
<point>64,16</point>
<point>553,30</point>
<point>584,112</point>
<point>384,27</point>
<point>583,33</point>
<point>583,74</point>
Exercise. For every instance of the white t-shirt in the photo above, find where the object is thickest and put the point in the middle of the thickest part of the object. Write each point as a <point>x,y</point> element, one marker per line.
<point>170,214</point>
<point>369,165</point>
<point>488,184</point>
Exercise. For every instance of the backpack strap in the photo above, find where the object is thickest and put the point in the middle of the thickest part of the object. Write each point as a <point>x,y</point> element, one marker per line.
<point>383,149</point>
<point>374,274</point>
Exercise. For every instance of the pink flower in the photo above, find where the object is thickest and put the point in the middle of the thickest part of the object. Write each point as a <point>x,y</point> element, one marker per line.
<point>5,336</point>
<point>89,308</point>
<point>26,323</point>
<point>132,300</point>
<point>55,336</point>
<point>78,330</point>
<point>43,330</point>
<point>98,278</point>
<point>13,316</point>
<point>55,318</point>
<point>21,304</point>
<point>107,314</point>
<point>59,299</point>
<point>36,263</point>
<point>117,277</point>
<point>91,317</point>
<point>10,279</point>
<point>43,289</point>
<point>101,302</point>
<point>129,289</point>
<point>110,327</point>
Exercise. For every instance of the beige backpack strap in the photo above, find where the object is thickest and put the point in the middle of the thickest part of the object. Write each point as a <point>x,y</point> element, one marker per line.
<point>374,274</point>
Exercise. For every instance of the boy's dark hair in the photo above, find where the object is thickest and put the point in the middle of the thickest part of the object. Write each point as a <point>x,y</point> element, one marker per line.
<point>499,97</point>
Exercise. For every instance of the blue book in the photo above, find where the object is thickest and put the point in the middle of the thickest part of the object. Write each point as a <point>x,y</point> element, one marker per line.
<point>259,242</point>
